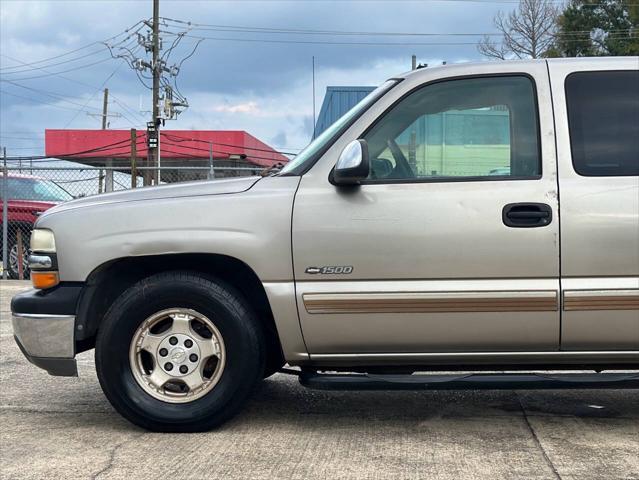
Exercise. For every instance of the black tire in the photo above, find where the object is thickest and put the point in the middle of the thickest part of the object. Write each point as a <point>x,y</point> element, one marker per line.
<point>232,316</point>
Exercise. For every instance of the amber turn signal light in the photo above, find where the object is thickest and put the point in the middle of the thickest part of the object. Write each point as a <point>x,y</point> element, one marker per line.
<point>44,280</point>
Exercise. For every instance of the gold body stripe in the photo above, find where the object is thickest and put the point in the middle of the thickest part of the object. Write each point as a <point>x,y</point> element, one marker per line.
<point>432,302</point>
<point>601,299</point>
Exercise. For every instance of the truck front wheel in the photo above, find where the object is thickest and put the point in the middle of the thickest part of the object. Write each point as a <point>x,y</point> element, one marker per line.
<point>179,352</point>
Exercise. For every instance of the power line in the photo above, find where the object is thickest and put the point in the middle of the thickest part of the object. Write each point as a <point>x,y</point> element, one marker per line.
<point>87,65</point>
<point>54,95</point>
<point>25,148</point>
<point>123,147</point>
<point>129,109</point>
<point>167,101</point>
<point>48,72</point>
<point>78,82</point>
<point>372,34</point>
<point>13,67</point>
<point>111,147</point>
<point>4,92</point>
<point>516,2</point>
<point>20,131</point>
<point>57,74</point>
<point>487,2</point>
<point>218,151</point>
<point>321,42</point>
<point>162,75</point>
<point>275,30</point>
<point>95,93</point>
<point>14,137</point>
<point>46,60</point>
<point>186,139</point>
<point>54,64</point>
<point>215,151</point>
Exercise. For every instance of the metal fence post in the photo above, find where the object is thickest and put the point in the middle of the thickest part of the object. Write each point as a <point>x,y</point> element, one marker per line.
<point>5,216</point>
<point>211,167</point>
<point>134,154</point>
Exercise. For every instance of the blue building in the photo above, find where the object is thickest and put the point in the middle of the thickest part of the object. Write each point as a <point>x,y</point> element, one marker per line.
<point>338,101</point>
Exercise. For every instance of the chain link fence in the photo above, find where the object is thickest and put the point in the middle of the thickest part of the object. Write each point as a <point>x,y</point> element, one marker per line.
<point>27,192</point>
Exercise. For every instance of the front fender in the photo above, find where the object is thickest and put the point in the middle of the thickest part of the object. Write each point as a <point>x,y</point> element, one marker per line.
<point>253,226</point>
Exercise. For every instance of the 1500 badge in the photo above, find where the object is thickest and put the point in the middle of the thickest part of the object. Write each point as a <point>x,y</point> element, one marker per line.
<point>335,270</point>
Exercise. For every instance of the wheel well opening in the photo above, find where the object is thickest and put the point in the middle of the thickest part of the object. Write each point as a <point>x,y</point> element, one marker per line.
<point>110,280</point>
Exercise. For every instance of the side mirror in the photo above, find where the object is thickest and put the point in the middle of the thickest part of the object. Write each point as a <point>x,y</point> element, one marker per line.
<point>353,164</point>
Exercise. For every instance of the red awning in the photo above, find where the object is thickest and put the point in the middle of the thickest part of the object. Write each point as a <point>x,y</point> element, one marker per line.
<point>96,145</point>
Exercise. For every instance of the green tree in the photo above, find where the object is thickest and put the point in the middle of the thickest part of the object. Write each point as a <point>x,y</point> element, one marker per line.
<point>598,27</point>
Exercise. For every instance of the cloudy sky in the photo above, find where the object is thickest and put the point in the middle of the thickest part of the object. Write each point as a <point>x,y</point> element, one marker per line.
<point>258,79</point>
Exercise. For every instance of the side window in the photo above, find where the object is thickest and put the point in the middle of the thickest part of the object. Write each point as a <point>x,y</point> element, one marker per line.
<point>603,118</point>
<point>467,128</point>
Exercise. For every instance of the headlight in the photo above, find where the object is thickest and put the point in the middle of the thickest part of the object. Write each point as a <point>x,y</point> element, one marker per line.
<point>44,272</point>
<point>42,241</point>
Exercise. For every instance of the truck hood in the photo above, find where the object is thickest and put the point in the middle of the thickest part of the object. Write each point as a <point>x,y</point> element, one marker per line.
<point>171,190</point>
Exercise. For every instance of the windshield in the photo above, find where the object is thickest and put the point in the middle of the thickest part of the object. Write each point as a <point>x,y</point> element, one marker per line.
<point>309,154</point>
<point>34,189</point>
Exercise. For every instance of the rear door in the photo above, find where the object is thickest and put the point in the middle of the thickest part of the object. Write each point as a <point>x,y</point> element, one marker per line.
<point>596,105</point>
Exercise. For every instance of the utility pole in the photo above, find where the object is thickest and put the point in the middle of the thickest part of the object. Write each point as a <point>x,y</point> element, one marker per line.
<point>105,107</point>
<point>162,91</point>
<point>105,111</point>
<point>173,102</point>
<point>156,68</point>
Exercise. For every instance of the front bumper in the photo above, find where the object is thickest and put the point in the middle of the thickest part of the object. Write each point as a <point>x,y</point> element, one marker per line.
<point>47,341</point>
<point>43,327</point>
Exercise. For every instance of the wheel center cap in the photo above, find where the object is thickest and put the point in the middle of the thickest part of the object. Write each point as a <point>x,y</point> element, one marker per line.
<point>177,355</point>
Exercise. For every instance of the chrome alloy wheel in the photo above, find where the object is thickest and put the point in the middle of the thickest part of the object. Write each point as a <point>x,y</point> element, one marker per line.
<point>177,355</point>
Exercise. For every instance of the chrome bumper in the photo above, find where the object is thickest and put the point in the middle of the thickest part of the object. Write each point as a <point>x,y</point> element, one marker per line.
<point>47,341</point>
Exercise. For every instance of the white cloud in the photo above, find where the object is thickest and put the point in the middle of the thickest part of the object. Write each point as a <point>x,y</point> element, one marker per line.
<point>248,107</point>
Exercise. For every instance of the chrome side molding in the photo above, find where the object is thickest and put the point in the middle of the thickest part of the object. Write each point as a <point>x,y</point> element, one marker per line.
<point>432,302</point>
<point>627,299</point>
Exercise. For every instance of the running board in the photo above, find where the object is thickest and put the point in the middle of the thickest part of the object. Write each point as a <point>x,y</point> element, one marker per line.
<point>480,381</point>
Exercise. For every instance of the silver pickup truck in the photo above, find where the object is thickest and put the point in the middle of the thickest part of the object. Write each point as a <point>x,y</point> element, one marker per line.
<point>467,218</point>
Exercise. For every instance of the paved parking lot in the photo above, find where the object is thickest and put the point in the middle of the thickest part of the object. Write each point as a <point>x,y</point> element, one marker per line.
<point>64,428</point>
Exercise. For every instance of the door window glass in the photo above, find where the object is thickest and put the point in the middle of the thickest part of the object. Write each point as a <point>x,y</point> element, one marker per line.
<point>457,129</point>
<point>603,117</point>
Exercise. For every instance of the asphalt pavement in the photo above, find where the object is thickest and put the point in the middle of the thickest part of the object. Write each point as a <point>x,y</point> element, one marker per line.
<point>64,428</point>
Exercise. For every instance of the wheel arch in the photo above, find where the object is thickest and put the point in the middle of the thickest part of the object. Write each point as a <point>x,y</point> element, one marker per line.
<point>109,280</point>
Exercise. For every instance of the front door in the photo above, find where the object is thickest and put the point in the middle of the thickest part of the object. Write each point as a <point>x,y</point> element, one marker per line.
<point>452,244</point>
